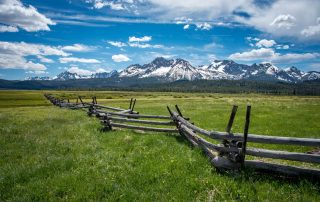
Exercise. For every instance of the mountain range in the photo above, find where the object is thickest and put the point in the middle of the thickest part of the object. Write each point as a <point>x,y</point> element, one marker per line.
<point>178,69</point>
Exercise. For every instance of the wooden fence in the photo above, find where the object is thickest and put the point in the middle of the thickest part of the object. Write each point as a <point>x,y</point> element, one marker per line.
<point>112,117</point>
<point>230,154</point>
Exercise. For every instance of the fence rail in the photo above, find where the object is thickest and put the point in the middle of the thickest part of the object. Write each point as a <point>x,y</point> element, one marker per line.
<point>229,154</point>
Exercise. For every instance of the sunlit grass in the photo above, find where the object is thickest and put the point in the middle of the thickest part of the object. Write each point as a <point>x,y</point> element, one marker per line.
<point>49,153</point>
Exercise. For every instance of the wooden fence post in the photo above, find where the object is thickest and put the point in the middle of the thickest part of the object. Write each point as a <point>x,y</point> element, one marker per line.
<point>130,103</point>
<point>80,100</point>
<point>134,103</point>
<point>231,119</point>
<point>178,110</point>
<point>245,135</point>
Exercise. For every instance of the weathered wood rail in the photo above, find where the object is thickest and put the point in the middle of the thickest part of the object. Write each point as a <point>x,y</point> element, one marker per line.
<point>113,117</point>
<point>230,154</point>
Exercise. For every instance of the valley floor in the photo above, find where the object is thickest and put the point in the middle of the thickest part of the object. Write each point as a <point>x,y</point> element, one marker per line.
<point>49,153</point>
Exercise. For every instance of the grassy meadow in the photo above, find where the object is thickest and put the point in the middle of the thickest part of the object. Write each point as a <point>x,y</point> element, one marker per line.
<point>53,154</point>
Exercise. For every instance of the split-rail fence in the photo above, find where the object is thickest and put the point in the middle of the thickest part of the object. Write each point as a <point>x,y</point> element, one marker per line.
<point>228,154</point>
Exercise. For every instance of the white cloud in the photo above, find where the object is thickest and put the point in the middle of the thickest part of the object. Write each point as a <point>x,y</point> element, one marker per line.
<point>80,60</point>
<point>44,59</point>
<point>25,49</point>
<point>13,55</point>
<point>117,43</point>
<point>77,48</point>
<point>4,28</point>
<point>136,42</point>
<point>269,54</point>
<point>9,61</point>
<point>120,58</point>
<point>312,30</point>
<point>77,70</point>
<point>115,6</point>
<point>265,43</point>
<point>14,13</point>
<point>255,54</point>
<point>145,45</point>
<point>204,26</point>
<point>98,4</point>
<point>284,21</point>
<point>183,20</point>
<point>279,18</point>
<point>283,17</point>
<point>186,26</point>
<point>295,57</point>
<point>284,47</point>
<point>141,39</point>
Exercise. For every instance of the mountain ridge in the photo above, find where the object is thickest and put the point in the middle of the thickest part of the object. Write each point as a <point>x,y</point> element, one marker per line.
<point>169,70</point>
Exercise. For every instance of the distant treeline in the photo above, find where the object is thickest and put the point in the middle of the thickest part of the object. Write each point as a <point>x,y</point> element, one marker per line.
<point>148,84</point>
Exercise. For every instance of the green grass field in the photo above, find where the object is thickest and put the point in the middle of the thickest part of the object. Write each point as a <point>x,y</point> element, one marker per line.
<point>49,154</point>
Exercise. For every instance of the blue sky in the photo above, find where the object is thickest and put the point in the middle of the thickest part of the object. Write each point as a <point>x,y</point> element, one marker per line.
<point>44,38</point>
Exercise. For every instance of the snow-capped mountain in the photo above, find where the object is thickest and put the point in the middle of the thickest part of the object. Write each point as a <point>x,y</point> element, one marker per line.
<point>179,69</point>
<point>170,70</point>
<point>72,76</point>
<point>67,76</point>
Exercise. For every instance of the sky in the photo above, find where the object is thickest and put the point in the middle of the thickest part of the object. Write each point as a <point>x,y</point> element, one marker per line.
<point>45,38</point>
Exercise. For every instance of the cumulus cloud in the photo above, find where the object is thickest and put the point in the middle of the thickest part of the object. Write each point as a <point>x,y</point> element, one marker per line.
<point>269,54</point>
<point>120,58</point>
<point>117,43</point>
<point>280,17</point>
<point>25,49</point>
<point>9,61</point>
<point>14,13</point>
<point>79,71</point>
<point>77,48</point>
<point>4,28</point>
<point>145,45</point>
<point>283,17</point>
<point>312,30</point>
<point>284,47</point>
<point>141,39</point>
<point>295,57</point>
<point>99,4</point>
<point>255,54</point>
<point>265,43</point>
<point>285,21</point>
<point>204,26</point>
<point>186,26</point>
<point>79,60</point>
<point>140,42</point>
<point>44,59</point>
<point>183,20</point>
<point>13,55</point>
